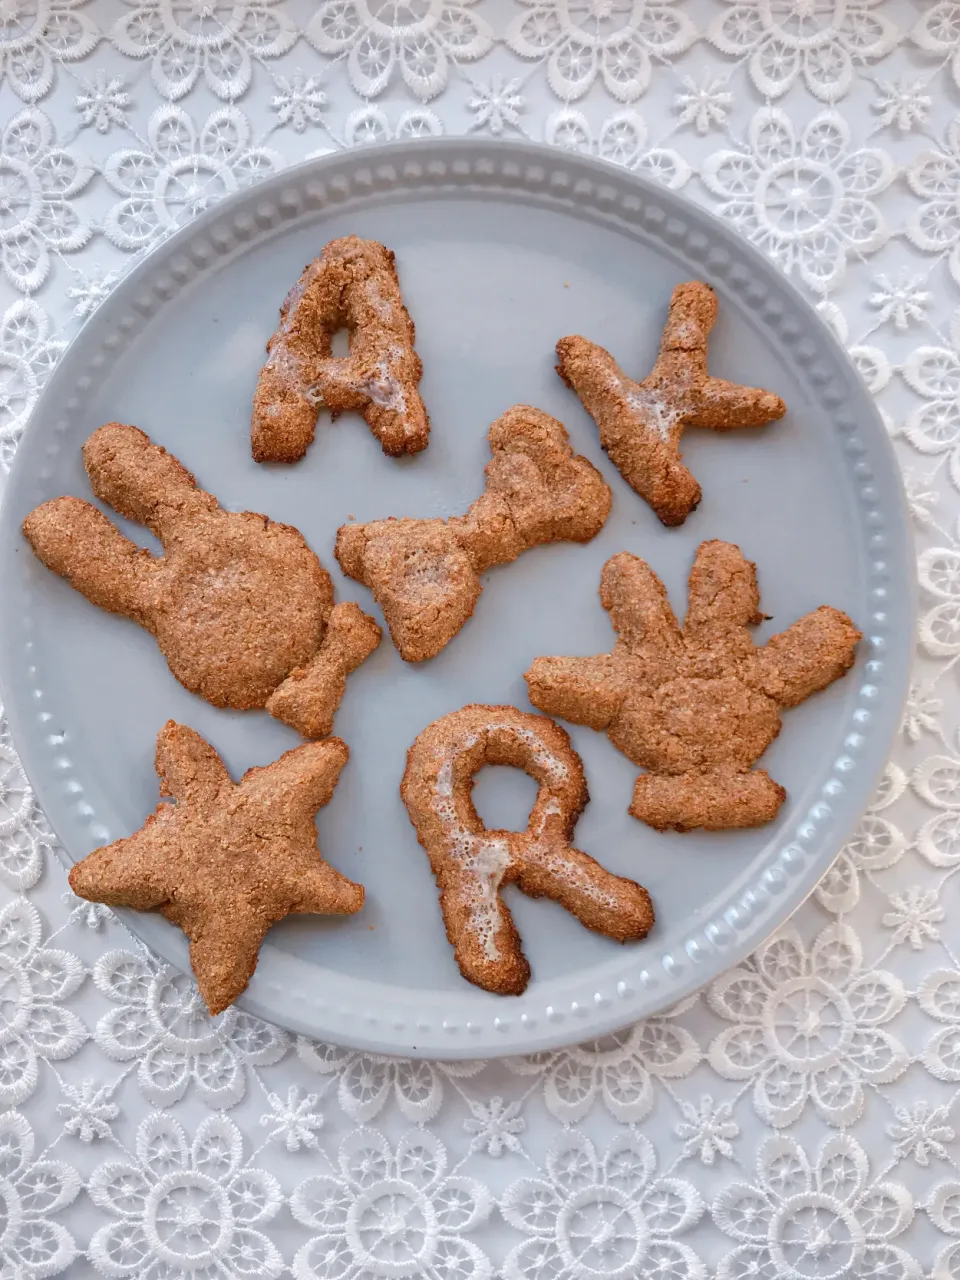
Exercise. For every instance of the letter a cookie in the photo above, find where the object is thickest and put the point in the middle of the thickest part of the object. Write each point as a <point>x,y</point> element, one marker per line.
<point>472,864</point>
<point>695,706</point>
<point>352,285</point>
<point>227,860</point>
<point>641,422</point>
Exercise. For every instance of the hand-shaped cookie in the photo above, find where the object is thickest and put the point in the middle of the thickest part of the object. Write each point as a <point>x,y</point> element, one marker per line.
<point>696,706</point>
<point>241,607</point>
<point>227,860</point>
<point>472,864</point>
<point>352,284</point>
<point>425,574</point>
<point>641,422</point>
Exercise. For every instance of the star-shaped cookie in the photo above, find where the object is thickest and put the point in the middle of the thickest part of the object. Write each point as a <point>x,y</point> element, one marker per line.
<point>697,705</point>
<point>227,860</point>
<point>641,423</point>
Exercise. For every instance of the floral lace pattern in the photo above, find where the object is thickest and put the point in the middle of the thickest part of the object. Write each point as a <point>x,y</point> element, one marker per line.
<point>186,169</point>
<point>413,40</point>
<point>808,1026</point>
<point>38,179</point>
<point>799,1120</point>
<point>160,1021</point>
<point>607,1216</point>
<point>184,1206</point>
<point>389,1212</point>
<point>805,199</point>
<point>614,41</point>
<point>822,42</point>
<point>183,40</point>
<point>825,1213</point>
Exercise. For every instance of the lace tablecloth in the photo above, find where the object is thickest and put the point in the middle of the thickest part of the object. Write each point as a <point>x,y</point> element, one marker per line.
<point>799,1118</point>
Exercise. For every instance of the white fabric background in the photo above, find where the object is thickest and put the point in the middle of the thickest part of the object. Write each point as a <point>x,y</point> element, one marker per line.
<point>799,1119</point>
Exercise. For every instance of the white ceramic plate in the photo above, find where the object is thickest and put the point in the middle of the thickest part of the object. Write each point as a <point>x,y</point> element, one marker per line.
<point>501,248</point>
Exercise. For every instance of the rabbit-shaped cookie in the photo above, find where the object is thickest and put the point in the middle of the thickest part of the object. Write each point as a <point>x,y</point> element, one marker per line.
<point>241,607</point>
<point>695,706</point>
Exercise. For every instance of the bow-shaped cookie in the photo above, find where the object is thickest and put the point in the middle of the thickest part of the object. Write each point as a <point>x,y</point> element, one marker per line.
<point>425,574</point>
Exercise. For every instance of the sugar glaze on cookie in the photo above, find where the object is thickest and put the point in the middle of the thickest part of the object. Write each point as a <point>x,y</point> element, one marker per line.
<point>472,864</point>
<point>641,423</point>
<point>352,284</point>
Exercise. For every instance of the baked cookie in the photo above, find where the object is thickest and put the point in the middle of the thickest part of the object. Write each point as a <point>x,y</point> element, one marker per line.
<point>352,285</point>
<point>425,574</point>
<point>641,422</point>
<point>226,860</point>
<point>695,706</point>
<point>472,864</point>
<point>241,607</point>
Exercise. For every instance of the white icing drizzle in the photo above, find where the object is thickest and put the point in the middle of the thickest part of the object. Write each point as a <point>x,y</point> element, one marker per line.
<point>686,335</point>
<point>381,305</point>
<point>486,858</point>
<point>383,388</point>
<point>281,357</point>
<point>543,757</point>
<point>553,856</point>
<point>654,412</point>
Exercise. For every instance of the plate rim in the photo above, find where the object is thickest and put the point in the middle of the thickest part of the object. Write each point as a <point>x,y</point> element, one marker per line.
<point>553,176</point>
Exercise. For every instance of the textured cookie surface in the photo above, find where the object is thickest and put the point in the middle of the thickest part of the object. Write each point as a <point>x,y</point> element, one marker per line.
<point>641,423</point>
<point>236,602</point>
<point>226,860</point>
<point>352,285</point>
<point>425,574</point>
<point>472,864</point>
<point>696,706</point>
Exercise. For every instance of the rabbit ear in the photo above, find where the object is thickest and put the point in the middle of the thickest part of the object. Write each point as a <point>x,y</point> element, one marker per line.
<point>724,599</point>
<point>79,543</point>
<point>639,608</point>
<point>140,480</point>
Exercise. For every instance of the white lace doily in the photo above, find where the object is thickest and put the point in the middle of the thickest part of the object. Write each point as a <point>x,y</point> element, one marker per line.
<point>799,1119</point>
